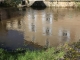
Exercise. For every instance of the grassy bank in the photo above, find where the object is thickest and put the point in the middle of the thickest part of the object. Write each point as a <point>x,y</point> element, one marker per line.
<point>72,51</point>
<point>66,52</point>
<point>49,54</point>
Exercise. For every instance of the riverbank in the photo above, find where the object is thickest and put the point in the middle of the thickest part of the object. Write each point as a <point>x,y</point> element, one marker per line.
<point>10,3</point>
<point>49,54</point>
<point>47,3</point>
<point>4,4</point>
<point>66,52</point>
<point>72,51</point>
<point>62,4</point>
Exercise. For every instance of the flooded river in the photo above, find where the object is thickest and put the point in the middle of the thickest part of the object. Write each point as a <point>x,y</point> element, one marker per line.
<point>34,29</point>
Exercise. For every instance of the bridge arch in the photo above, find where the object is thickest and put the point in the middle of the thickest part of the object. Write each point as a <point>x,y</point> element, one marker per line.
<point>36,3</point>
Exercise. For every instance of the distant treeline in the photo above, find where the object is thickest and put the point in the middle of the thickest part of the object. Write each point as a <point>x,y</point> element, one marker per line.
<point>10,3</point>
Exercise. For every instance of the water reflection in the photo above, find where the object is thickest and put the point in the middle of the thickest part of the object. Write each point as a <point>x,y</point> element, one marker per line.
<point>64,35</point>
<point>13,25</point>
<point>0,17</point>
<point>49,27</point>
<point>47,31</point>
<point>47,43</point>
<point>33,38</point>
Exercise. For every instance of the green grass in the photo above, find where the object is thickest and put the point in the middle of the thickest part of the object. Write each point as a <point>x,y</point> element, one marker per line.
<point>66,52</point>
<point>49,54</point>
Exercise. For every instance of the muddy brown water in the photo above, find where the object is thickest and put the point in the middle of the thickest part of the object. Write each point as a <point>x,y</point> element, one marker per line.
<point>34,29</point>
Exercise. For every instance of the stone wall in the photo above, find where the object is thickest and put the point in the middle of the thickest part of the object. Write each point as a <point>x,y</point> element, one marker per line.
<point>60,4</point>
<point>56,3</point>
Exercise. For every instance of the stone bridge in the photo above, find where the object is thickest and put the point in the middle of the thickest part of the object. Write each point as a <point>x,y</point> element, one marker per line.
<point>50,3</point>
<point>33,2</point>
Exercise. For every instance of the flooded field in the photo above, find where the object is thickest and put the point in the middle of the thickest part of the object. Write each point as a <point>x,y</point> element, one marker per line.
<point>34,29</point>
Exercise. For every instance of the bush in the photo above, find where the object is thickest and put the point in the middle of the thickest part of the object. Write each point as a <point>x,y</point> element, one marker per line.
<point>10,3</point>
<point>73,51</point>
<point>49,54</point>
